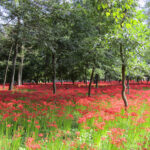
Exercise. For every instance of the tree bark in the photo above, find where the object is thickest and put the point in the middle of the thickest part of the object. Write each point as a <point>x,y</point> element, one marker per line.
<point>96,80</point>
<point>91,79</point>
<point>61,79</point>
<point>123,78</point>
<point>124,86</point>
<point>105,77</point>
<point>97,85</point>
<point>20,70</point>
<point>128,87</point>
<point>5,77</point>
<point>15,54</point>
<point>54,71</point>
<point>73,82</point>
<point>45,79</point>
<point>13,67</point>
<point>85,76</point>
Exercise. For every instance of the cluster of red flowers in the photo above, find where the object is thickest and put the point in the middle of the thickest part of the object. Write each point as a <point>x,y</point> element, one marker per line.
<point>105,104</point>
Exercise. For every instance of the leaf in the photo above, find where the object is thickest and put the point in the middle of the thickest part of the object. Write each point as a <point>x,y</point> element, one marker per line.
<point>79,6</point>
<point>128,26</point>
<point>122,24</point>
<point>98,7</point>
<point>134,22</point>
<point>122,15</point>
<point>107,14</point>
<point>114,14</point>
<point>104,6</point>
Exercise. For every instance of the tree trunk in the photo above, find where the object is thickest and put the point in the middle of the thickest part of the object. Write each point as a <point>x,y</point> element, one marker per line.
<point>85,77</point>
<point>97,85</point>
<point>15,54</point>
<point>13,67</point>
<point>128,87</point>
<point>124,86</point>
<point>45,79</point>
<point>105,77</point>
<point>91,79</point>
<point>73,82</point>
<point>147,80</point>
<point>96,80</point>
<point>54,71</point>
<point>37,79</point>
<point>20,70</point>
<point>5,77</point>
<point>123,78</point>
<point>61,80</point>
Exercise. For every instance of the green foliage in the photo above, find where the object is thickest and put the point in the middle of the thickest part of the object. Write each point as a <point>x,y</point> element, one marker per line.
<point>82,34</point>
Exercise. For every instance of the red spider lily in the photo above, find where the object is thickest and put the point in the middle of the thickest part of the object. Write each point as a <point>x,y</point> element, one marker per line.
<point>40,134</point>
<point>82,120</point>
<point>52,125</point>
<point>134,114</point>
<point>69,116</point>
<point>31,145</point>
<point>100,125</point>
<point>37,126</point>
<point>105,105</point>
<point>9,125</point>
<point>77,133</point>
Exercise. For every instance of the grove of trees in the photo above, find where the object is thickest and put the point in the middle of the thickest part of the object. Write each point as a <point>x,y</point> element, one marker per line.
<point>56,40</point>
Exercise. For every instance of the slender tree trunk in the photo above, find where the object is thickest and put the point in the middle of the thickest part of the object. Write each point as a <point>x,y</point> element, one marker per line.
<point>124,86</point>
<point>128,87</point>
<point>5,77</point>
<point>73,82</point>
<point>91,79</point>
<point>54,72</point>
<point>13,67</point>
<point>37,79</point>
<point>45,79</point>
<point>123,78</point>
<point>105,77</point>
<point>85,76</point>
<point>96,80</point>
<point>61,80</point>
<point>147,80</point>
<point>20,70</point>
<point>97,84</point>
<point>15,54</point>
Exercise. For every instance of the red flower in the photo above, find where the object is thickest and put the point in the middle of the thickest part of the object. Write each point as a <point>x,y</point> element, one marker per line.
<point>9,125</point>
<point>41,135</point>
<point>38,126</point>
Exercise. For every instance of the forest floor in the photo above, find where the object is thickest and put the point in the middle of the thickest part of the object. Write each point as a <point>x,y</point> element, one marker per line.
<point>32,118</point>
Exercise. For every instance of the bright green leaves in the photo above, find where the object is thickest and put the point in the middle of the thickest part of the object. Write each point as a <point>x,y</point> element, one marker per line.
<point>98,7</point>
<point>114,14</point>
<point>127,6</point>
<point>118,14</point>
<point>107,14</point>
<point>104,5</point>
<point>128,26</point>
<point>134,22</point>
<point>79,6</point>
